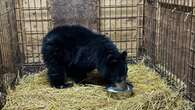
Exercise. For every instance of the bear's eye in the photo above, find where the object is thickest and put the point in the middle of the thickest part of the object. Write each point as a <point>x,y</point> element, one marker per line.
<point>113,62</point>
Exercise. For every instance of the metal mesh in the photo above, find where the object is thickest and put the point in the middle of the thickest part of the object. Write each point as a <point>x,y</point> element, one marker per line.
<point>169,41</point>
<point>33,22</point>
<point>119,19</point>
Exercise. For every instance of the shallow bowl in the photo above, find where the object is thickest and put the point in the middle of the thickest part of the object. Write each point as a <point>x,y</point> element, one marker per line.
<point>120,94</point>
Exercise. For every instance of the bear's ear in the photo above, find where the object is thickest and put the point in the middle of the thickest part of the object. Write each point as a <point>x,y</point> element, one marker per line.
<point>124,55</point>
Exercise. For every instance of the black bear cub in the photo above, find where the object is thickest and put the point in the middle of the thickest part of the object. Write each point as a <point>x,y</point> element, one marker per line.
<point>73,51</point>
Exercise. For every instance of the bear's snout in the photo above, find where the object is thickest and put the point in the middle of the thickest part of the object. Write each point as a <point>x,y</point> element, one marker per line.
<point>121,85</point>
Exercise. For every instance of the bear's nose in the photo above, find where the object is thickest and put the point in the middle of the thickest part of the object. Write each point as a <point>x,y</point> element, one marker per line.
<point>121,85</point>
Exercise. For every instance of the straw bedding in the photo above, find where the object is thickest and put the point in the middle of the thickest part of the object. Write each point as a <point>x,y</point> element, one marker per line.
<point>150,93</point>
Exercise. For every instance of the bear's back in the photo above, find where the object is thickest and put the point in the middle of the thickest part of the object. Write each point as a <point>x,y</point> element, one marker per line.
<point>74,37</point>
<point>71,35</point>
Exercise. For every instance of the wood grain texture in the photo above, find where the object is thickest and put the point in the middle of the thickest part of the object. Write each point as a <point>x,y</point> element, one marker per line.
<point>70,12</point>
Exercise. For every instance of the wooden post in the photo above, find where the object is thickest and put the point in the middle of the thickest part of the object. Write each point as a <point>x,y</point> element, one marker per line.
<point>83,12</point>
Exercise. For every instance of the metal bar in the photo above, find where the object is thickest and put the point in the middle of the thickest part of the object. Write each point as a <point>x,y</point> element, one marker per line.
<point>42,29</point>
<point>99,1</point>
<point>190,75</point>
<point>160,39</point>
<point>193,64</point>
<point>174,35</point>
<point>34,20</point>
<point>121,24</point>
<point>110,16</point>
<point>31,39</point>
<point>131,26</point>
<point>126,26</point>
<point>37,39</point>
<point>137,31</point>
<point>32,8</point>
<point>29,33</point>
<point>120,6</point>
<point>21,28</point>
<point>115,21</point>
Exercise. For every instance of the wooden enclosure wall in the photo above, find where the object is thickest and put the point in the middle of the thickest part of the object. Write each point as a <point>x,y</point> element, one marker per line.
<point>33,22</point>
<point>121,20</point>
<point>178,2</point>
<point>191,76</point>
<point>168,32</point>
<point>9,48</point>
<point>82,12</point>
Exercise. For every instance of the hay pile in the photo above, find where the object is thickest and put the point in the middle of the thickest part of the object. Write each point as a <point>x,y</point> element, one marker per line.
<point>151,93</point>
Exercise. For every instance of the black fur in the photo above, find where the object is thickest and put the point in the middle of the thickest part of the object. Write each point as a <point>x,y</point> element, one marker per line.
<point>73,51</point>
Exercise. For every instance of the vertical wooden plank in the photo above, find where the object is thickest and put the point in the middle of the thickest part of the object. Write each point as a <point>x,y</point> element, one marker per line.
<point>81,12</point>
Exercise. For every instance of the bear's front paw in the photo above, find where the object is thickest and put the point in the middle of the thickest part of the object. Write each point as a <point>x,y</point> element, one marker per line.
<point>66,85</point>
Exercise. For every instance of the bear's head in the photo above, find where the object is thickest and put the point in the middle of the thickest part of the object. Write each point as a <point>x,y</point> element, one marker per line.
<point>116,68</point>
